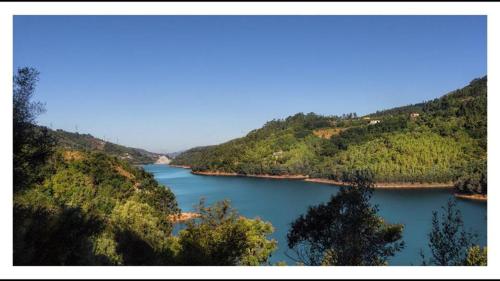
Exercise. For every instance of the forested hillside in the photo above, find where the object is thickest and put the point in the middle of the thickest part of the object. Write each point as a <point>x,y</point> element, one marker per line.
<point>442,140</point>
<point>87,142</point>
<point>100,202</point>
<point>75,204</point>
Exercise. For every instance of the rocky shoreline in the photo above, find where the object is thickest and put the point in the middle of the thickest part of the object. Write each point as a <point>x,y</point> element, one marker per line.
<point>476,197</point>
<point>390,185</point>
<point>265,176</point>
<point>180,166</point>
<point>183,217</point>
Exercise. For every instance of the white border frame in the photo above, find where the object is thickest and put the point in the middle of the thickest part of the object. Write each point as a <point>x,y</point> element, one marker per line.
<point>7,10</point>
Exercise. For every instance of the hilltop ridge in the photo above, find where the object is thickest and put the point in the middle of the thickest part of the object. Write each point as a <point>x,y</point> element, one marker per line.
<point>87,142</point>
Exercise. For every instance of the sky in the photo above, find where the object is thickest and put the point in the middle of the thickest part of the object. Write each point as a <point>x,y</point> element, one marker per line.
<point>169,83</point>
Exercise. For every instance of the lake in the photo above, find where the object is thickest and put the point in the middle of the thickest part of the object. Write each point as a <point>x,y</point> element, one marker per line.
<point>282,201</point>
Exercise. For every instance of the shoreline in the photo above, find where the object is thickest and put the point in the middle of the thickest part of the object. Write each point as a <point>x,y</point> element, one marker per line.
<point>390,185</point>
<point>475,197</point>
<point>264,176</point>
<point>378,185</point>
<point>180,166</point>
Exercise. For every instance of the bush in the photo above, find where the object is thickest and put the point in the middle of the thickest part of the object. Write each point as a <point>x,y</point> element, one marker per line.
<point>221,237</point>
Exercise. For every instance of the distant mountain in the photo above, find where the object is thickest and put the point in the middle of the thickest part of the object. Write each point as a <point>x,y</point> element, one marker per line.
<point>87,142</point>
<point>435,141</point>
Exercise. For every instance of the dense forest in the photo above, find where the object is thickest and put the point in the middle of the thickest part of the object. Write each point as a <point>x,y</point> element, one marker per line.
<point>442,140</point>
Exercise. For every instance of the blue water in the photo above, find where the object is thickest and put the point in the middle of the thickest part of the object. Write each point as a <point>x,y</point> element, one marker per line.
<point>281,201</point>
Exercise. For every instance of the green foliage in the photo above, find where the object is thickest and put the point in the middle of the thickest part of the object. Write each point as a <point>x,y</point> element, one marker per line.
<point>119,215</point>
<point>87,142</point>
<point>221,237</point>
<point>448,240</point>
<point>361,134</point>
<point>346,230</point>
<point>130,205</point>
<point>473,179</point>
<point>159,197</point>
<point>72,188</point>
<point>440,145</point>
<point>115,214</point>
<point>465,107</point>
<point>419,156</point>
<point>477,256</point>
<point>105,247</point>
<point>32,144</point>
<point>398,111</point>
<point>49,234</point>
<point>142,234</point>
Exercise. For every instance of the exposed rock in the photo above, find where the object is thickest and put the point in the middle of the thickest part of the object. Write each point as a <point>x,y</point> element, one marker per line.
<point>183,217</point>
<point>163,160</point>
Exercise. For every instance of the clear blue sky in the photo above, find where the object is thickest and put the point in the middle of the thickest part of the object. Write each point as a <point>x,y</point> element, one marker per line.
<point>167,83</point>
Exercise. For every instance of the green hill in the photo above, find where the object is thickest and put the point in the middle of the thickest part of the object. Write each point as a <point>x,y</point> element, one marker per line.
<point>87,142</point>
<point>77,203</point>
<point>441,140</point>
<point>92,208</point>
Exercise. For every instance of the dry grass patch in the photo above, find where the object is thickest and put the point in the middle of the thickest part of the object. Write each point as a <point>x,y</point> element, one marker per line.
<point>123,172</point>
<point>128,175</point>
<point>327,133</point>
<point>72,155</point>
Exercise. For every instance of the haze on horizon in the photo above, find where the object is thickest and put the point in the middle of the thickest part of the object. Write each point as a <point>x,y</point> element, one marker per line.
<point>169,83</point>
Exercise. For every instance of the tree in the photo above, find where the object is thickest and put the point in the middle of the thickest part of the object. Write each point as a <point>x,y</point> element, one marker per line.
<point>448,241</point>
<point>474,178</point>
<point>32,144</point>
<point>346,230</point>
<point>221,237</point>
